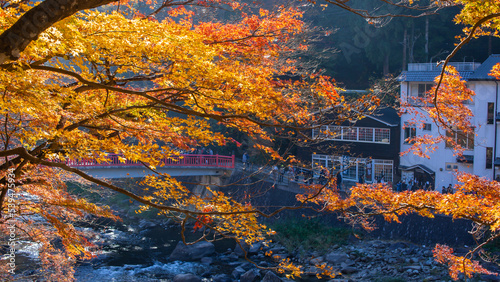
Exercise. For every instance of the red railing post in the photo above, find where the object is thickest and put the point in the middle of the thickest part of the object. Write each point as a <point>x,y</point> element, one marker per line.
<point>232,160</point>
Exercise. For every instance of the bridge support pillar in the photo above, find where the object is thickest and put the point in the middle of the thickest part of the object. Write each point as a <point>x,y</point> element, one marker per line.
<point>211,181</point>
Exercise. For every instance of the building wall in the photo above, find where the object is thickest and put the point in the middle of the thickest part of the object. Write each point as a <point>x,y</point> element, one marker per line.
<point>437,160</point>
<point>442,159</point>
<point>374,150</point>
<point>378,152</point>
<point>485,92</point>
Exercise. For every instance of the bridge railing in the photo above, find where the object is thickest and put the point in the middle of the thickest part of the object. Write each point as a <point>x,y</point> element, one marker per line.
<point>181,160</point>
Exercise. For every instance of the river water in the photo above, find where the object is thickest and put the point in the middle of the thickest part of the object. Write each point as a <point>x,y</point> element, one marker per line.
<point>142,255</point>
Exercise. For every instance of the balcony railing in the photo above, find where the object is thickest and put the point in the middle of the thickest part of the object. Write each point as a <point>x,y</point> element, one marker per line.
<point>460,66</point>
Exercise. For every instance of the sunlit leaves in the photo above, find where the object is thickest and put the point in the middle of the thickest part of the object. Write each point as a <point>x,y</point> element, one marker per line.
<point>114,81</point>
<point>457,264</point>
<point>448,109</point>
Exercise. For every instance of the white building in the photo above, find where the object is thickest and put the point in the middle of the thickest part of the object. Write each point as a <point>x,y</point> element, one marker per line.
<point>481,154</point>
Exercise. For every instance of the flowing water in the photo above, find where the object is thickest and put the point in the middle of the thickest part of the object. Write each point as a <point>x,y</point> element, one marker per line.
<point>133,255</point>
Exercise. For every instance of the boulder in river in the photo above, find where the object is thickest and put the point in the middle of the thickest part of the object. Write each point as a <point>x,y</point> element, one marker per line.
<point>187,277</point>
<point>250,276</point>
<point>271,277</point>
<point>192,252</point>
<point>336,258</point>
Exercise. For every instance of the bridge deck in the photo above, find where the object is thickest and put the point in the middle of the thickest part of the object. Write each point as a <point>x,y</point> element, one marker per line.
<point>183,165</point>
<point>184,160</point>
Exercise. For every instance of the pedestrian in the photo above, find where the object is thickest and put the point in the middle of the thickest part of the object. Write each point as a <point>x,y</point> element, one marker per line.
<point>274,172</point>
<point>339,181</point>
<point>244,159</point>
<point>280,174</point>
<point>322,176</point>
<point>310,175</point>
<point>361,179</point>
<point>296,174</point>
<point>289,173</point>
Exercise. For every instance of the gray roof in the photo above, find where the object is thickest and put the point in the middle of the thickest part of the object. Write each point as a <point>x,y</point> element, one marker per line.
<point>421,166</point>
<point>427,75</point>
<point>386,115</point>
<point>482,72</point>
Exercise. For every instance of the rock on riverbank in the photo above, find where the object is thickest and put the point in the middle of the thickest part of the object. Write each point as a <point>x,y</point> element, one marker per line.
<point>373,260</point>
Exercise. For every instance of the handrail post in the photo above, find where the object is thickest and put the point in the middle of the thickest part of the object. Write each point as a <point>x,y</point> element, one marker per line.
<point>217,160</point>
<point>232,160</point>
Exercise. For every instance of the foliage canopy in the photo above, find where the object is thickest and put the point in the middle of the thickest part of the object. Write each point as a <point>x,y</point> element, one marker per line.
<point>78,82</point>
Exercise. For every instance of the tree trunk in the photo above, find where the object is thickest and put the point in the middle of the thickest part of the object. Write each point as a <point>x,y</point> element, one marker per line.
<point>405,46</point>
<point>15,39</point>
<point>386,65</point>
<point>490,45</point>
<point>426,48</point>
<point>411,43</point>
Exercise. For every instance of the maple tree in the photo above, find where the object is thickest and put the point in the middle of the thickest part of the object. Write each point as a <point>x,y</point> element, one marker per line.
<point>78,82</point>
<point>476,198</point>
<point>78,85</point>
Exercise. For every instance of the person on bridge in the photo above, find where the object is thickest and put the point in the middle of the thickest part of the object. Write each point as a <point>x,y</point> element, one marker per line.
<point>274,173</point>
<point>339,181</point>
<point>244,159</point>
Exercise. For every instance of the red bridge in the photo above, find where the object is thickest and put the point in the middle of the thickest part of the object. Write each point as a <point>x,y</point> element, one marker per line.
<point>182,165</point>
<point>181,160</point>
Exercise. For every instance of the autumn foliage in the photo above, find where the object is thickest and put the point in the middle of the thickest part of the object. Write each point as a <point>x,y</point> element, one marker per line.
<point>86,83</point>
<point>144,85</point>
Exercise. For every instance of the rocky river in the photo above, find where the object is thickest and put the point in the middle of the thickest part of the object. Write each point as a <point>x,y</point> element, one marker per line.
<point>152,251</point>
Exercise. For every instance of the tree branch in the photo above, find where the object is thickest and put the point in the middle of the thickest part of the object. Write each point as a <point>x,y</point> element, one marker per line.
<point>22,152</point>
<point>26,29</point>
<point>452,54</point>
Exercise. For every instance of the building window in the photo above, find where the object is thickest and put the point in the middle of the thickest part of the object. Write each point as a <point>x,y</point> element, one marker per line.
<point>410,133</point>
<point>350,170</point>
<point>491,113</point>
<point>382,169</point>
<point>350,134</point>
<point>423,89</point>
<point>365,134</point>
<point>463,139</point>
<point>427,127</point>
<point>320,160</point>
<point>354,169</point>
<point>353,134</point>
<point>327,132</point>
<point>382,135</point>
<point>489,157</point>
<point>451,167</point>
<point>419,93</point>
<point>332,163</point>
